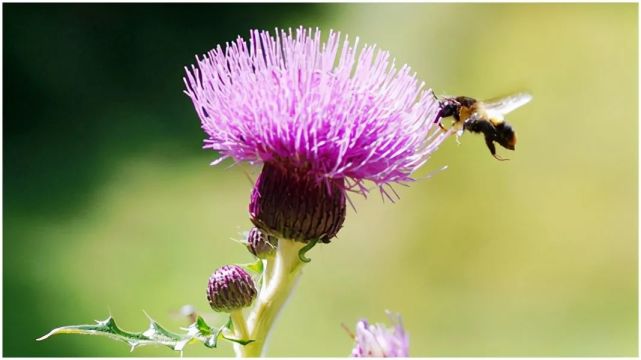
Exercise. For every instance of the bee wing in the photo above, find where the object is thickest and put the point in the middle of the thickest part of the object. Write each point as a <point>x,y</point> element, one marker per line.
<point>507,104</point>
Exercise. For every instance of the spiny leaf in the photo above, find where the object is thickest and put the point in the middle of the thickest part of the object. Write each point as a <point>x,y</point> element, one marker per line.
<point>201,331</point>
<point>155,334</point>
<point>106,327</point>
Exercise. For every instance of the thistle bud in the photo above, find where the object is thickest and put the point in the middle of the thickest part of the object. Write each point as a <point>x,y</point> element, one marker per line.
<point>230,288</point>
<point>260,244</point>
<point>290,204</point>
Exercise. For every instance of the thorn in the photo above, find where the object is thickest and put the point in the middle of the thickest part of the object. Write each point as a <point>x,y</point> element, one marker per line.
<point>148,317</point>
<point>46,335</point>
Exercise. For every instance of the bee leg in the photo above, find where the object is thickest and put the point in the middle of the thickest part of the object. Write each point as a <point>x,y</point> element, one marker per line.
<point>439,121</point>
<point>500,158</point>
<point>459,133</point>
<point>490,145</point>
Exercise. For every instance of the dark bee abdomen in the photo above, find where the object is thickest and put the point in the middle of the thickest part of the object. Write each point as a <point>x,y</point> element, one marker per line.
<point>479,126</point>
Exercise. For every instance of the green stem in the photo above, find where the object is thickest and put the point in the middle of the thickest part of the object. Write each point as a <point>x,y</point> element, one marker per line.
<point>280,283</point>
<point>240,329</point>
<point>268,271</point>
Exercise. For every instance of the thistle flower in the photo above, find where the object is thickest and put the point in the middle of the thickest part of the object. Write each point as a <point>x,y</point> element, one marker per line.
<point>230,288</point>
<point>323,121</point>
<point>379,341</point>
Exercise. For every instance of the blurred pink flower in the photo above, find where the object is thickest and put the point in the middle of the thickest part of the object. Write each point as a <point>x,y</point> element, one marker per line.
<point>377,340</point>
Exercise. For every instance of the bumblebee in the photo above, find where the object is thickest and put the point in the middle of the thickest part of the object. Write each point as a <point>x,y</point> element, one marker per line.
<point>484,117</point>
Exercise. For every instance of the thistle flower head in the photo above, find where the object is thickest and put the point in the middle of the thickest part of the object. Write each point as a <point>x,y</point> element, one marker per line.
<point>326,108</point>
<point>377,340</point>
<point>323,118</point>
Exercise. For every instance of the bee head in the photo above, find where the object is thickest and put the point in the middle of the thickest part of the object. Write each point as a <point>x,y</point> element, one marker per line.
<point>449,107</point>
<point>506,136</point>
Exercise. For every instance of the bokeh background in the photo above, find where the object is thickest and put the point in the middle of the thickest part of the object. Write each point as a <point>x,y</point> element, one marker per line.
<point>110,205</point>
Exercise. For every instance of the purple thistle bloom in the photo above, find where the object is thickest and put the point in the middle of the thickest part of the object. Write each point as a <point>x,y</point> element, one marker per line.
<point>379,341</point>
<point>322,118</point>
<point>289,98</point>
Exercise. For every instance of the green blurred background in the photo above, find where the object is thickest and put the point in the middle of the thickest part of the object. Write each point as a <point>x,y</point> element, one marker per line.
<point>110,204</point>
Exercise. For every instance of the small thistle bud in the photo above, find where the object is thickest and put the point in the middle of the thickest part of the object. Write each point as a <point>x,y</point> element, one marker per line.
<point>230,288</point>
<point>290,204</point>
<point>260,244</point>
